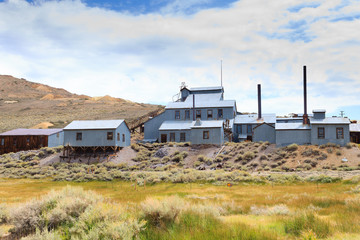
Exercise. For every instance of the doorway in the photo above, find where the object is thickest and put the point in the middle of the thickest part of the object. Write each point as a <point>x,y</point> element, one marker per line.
<point>163,138</point>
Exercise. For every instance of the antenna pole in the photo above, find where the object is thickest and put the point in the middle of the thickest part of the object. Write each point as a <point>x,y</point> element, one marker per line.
<point>221,72</point>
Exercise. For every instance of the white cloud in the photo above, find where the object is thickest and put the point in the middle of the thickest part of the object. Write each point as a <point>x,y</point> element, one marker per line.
<point>145,57</point>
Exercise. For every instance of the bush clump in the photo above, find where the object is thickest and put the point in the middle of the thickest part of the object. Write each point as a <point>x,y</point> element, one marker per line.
<point>292,147</point>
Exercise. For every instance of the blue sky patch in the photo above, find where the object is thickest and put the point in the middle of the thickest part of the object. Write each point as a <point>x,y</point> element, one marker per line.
<point>137,7</point>
<point>297,8</point>
<point>348,18</point>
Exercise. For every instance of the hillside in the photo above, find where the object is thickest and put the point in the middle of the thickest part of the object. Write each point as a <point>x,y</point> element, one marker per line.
<point>27,104</point>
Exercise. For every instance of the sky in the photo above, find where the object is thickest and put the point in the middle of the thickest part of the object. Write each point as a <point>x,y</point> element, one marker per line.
<point>142,50</point>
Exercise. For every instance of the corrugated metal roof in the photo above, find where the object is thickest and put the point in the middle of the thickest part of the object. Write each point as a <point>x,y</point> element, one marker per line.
<point>31,132</point>
<point>319,111</point>
<point>187,125</point>
<point>292,126</point>
<point>213,97</point>
<point>176,125</point>
<point>209,124</point>
<point>253,118</point>
<point>354,127</point>
<point>200,104</point>
<point>94,124</point>
<point>205,88</point>
<point>330,120</point>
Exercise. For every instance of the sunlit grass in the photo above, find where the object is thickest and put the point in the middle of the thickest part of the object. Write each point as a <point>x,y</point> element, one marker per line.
<point>330,211</point>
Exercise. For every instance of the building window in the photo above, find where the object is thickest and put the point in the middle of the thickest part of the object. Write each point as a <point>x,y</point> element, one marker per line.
<point>209,113</point>
<point>78,136</point>
<point>321,132</point>
<point>28,140</point>
<point>14,141</point>
<point>220,113</point>
<point>239,129</point>
<point>109,136</point>
<point>172,137</point>
<point>198,114</point>
<point>182,137</point>
<point>177,114</point>
<point>187,114</point>
<point>205,134</point>
<point>340,133</point>
<point>123,137</point>
<point>118,137</point>
<point>249,128</point>
<point>2,142</point>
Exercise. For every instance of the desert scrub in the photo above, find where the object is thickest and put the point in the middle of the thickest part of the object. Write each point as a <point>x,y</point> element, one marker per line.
<point>307,221</point>
<point>75,213</point>
<point>338,153</point>
<point>249,155</point>
<point>162,212</point>
<point>292,147</point>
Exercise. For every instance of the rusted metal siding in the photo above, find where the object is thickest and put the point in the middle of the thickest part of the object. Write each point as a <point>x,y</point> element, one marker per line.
<point>21,143</point>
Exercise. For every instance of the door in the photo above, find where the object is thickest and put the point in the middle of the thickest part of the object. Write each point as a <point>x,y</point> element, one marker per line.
<point>163,138</point>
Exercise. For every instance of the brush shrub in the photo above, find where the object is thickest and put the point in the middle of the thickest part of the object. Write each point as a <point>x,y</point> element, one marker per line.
<point>292,147</point>
<point>301,222</point>
<point>162,212</point>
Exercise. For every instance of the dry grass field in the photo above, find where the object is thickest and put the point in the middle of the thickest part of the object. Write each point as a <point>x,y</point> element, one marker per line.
<point>281,211</point>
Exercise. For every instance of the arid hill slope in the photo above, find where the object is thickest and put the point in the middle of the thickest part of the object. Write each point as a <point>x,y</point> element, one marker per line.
<point>26,104</point>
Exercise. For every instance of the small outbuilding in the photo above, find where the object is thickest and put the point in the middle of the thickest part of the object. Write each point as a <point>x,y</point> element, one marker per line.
<point>94,134</point>
<point>27,139</point>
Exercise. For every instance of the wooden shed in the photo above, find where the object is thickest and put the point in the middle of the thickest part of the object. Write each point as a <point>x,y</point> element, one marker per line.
<point>97,134</point>
<point>27,139</point>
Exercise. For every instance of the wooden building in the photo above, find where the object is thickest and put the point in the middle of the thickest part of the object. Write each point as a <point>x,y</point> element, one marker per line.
<point>97,134</point>
<point>27,139</point>
<point>355,132</point>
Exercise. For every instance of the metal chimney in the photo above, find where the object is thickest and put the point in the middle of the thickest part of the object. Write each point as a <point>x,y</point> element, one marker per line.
<point>193,107</point>
<point>305,116</point>
<point>259,101</point>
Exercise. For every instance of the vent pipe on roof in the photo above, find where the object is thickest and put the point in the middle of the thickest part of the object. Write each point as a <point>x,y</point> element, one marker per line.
<point>259,101</point>
<point>193,107</point>
<point>305,116</point>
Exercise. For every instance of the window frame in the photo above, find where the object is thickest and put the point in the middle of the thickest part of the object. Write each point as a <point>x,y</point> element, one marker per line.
<point>182,137</point>
<point>123,137</point>
<point>206,134</point>
<point>249,128</point>
<point>187,114</point>
<point>172,137</point>
<point>338,135</point>
<point>198,113</point>
<point>177,115</point>
<point>220,110</point>
<point>79,136</point>
<point>118,137</point>
<point>2,141</point>
<point>211,113</point>
<point>109,136</point>
<point>239,128</point>
<point>321,135</point>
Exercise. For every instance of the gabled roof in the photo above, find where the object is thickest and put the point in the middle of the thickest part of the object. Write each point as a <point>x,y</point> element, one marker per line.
<point>330,120</point>
<point>354,127</point>
<point>253,118</point>
<point>264,123</point>
<point>205,88</point>
<point>94,124</point>
<point>31,132</point>
<point>176,125</point>
<point>208,124</point>
<point>292,126</point>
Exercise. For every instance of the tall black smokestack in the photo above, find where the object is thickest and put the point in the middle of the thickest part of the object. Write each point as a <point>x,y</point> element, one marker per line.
<point>259,101</point>
<point>305,116</point>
